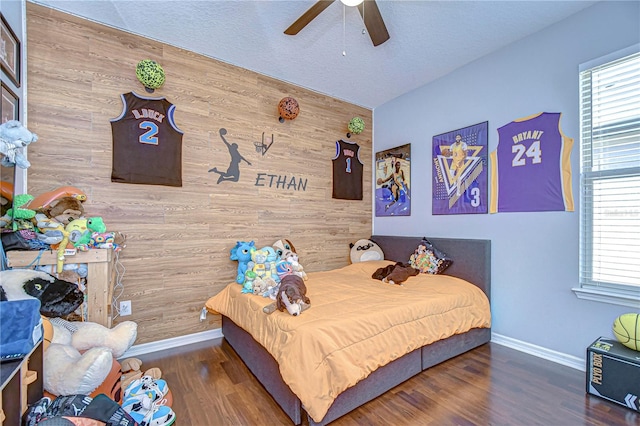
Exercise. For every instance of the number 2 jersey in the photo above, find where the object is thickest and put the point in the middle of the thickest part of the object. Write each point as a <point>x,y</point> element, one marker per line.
<point>531,167</point>
<point>147,144</point>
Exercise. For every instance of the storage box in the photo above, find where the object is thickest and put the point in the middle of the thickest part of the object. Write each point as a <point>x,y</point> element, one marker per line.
<point>613,372</point>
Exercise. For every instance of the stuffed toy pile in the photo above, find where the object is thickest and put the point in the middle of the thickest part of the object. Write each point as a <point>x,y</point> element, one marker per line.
<point>78,355</point>
<point>261,271</point>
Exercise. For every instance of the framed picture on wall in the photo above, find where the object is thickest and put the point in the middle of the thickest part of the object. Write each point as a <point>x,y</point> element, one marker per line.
<point>10,104</point>
<point>393,182</point>
<point>9,52</point>
<point>459,164</point>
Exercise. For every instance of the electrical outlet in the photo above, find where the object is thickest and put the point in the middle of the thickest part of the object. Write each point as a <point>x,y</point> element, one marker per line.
<point>125,308</point>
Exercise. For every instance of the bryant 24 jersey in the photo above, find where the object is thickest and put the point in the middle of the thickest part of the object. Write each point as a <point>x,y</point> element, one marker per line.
<point>531,167</point>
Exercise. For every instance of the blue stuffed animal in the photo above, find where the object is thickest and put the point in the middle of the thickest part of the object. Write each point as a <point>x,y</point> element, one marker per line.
<point>242,253</point>
<point>270,263</point>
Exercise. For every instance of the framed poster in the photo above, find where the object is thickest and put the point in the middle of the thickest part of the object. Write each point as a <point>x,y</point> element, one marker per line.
<point>9,52</point>
<point>10,105</point>
<point>393,181</point>
<point>460,171</point>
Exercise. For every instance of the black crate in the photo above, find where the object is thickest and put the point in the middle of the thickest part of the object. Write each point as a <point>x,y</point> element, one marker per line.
<point>613,372</point>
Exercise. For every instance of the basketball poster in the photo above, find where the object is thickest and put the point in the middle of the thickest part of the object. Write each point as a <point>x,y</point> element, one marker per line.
<point>393,181</point>
<point>460,171</point>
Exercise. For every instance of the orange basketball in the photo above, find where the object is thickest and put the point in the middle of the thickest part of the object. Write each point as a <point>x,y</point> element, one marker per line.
<point>288,108</point>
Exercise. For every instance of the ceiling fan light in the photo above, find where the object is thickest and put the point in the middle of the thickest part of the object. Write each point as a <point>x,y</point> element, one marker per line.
<point>351,3</point>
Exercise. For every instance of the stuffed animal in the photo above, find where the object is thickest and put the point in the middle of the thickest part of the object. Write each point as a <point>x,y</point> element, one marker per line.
<point>249,278</point>
<point>263,287</point>
<point>296,267</point>
<point>57,297</point>
<point>364,250</point>
<point>283,268</point>
<point>258,263</point>
<point>284,248</point>
<point>63,204</point>
<point>13,137</point>
<point>19,216</point>
<point>80,230</point>
<point>51,231</point>
<point>400,273</point>
<point>242,253</point>
<point>292,294</point>
<point>270,262</point>
<point>67,369</point>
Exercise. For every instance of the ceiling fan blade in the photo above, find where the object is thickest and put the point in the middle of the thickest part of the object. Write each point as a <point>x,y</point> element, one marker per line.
<point>308,16</point>
<point>373,21</point>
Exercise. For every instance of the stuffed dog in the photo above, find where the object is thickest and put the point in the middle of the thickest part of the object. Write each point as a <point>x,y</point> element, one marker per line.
<point>395,274</point>
<point>292,296</point>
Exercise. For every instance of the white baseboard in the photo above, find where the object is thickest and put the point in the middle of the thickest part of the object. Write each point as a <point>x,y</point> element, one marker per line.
<point>174,342</point>
<point>539,351</point>
<point>519,345</point>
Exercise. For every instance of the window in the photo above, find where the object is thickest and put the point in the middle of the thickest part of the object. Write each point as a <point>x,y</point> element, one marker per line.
<point>610,179</point>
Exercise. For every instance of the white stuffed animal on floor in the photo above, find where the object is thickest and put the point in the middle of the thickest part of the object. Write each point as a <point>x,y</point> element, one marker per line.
<point>66,370</point>
<point>13,137</point>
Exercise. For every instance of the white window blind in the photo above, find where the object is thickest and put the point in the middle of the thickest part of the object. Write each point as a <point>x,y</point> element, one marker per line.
<point>610,181</point>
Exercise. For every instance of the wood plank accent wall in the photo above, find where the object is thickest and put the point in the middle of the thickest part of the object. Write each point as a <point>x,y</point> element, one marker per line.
<point>178,239</point>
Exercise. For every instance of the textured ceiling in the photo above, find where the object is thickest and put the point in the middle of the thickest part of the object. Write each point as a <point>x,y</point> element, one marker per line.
<point>428,38</point>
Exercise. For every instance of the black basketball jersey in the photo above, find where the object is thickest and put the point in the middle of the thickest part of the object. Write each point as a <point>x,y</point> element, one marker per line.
<point>347,171</point>
<point>147,144</point>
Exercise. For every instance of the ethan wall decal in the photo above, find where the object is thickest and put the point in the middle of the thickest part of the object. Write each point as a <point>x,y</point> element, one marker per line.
<point>459,171</point>
<point>393,181</point>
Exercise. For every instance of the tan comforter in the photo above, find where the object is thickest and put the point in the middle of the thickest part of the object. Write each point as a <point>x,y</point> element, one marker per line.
<point>355,325</point>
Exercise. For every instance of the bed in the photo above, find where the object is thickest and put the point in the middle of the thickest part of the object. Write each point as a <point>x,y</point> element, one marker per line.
<point>313,369</point>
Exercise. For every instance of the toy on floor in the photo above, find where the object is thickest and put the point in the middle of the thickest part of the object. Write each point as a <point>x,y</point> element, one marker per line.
<point>132,370</point>
<point>69,371</point>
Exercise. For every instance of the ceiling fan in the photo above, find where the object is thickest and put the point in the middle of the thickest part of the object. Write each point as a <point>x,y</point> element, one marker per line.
<point>370,14</point>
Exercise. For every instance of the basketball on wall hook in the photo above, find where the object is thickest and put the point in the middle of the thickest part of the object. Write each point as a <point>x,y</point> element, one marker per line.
<point>356,126</point>
<point>151,74</point>
<point>288,109</point>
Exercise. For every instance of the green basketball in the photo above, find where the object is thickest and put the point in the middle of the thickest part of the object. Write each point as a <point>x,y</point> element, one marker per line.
<point>356,125</point>
<point>150,73</point>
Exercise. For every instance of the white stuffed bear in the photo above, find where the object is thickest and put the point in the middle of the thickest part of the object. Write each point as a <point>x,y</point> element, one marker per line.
<point>67,371</point>
<point>13,137</point>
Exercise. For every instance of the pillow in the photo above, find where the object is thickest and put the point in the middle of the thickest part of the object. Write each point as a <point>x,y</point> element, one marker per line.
<point>428,259</point>
<point>365,250</point>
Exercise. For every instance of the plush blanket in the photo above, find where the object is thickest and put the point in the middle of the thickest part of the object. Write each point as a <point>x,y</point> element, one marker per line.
<point>355,325</point>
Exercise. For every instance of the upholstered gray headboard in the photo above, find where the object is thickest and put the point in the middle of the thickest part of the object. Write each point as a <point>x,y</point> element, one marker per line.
<point>471,258</point>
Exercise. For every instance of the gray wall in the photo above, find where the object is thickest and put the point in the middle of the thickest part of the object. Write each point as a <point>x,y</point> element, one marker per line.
<point>535,255</point>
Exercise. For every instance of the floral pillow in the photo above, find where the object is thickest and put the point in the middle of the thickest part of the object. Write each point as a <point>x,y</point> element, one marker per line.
<point>428,259</point>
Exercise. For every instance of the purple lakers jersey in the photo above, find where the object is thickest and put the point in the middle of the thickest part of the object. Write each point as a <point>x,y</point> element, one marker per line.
<point>347,171</point>
<point>147,144</point>
<point>531,168</point>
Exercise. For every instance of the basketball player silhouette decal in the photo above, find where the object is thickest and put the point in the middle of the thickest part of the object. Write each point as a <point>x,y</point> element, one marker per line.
<point>233,171</point>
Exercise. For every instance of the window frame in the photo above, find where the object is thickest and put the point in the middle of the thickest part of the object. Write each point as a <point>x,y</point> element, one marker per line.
<point>589,289</point>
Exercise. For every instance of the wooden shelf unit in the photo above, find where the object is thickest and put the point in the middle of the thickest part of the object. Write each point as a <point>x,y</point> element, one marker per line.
<point>22,385</point>
<point>100,278</point>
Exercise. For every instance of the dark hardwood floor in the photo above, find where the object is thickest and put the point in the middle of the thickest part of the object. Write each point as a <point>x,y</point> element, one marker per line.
<point>491,385</point>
